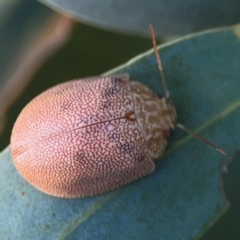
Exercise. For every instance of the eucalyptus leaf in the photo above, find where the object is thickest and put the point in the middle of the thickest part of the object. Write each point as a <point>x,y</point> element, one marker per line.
<point>172,17</point>
<point>184,196</point>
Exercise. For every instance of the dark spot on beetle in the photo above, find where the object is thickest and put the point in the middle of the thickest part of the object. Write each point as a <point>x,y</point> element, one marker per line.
<point>22,193</point>
<point>79,156</point>
<point>159,95</point>
<point>105,105</point>
<point>115,136</point>
<point>170,131</point>
<point>126,148</point>
<point>114,88</point>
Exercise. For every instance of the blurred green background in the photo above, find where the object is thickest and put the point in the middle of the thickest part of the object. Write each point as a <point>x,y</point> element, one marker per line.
<point>78,50</point>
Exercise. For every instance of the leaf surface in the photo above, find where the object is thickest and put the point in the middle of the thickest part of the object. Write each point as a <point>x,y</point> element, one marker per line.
<point>169,18</point>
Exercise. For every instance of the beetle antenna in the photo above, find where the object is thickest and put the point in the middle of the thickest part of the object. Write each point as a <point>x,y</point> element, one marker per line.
<point>159,62</point>
<point>167,95</point>
<point>179,125</point>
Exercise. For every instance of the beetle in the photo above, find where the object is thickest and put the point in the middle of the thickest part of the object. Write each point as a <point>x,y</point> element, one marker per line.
<point>89,136</point>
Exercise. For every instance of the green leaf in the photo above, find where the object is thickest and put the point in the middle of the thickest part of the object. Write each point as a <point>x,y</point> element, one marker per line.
<point>184,196</point>
<point>172,17</point>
